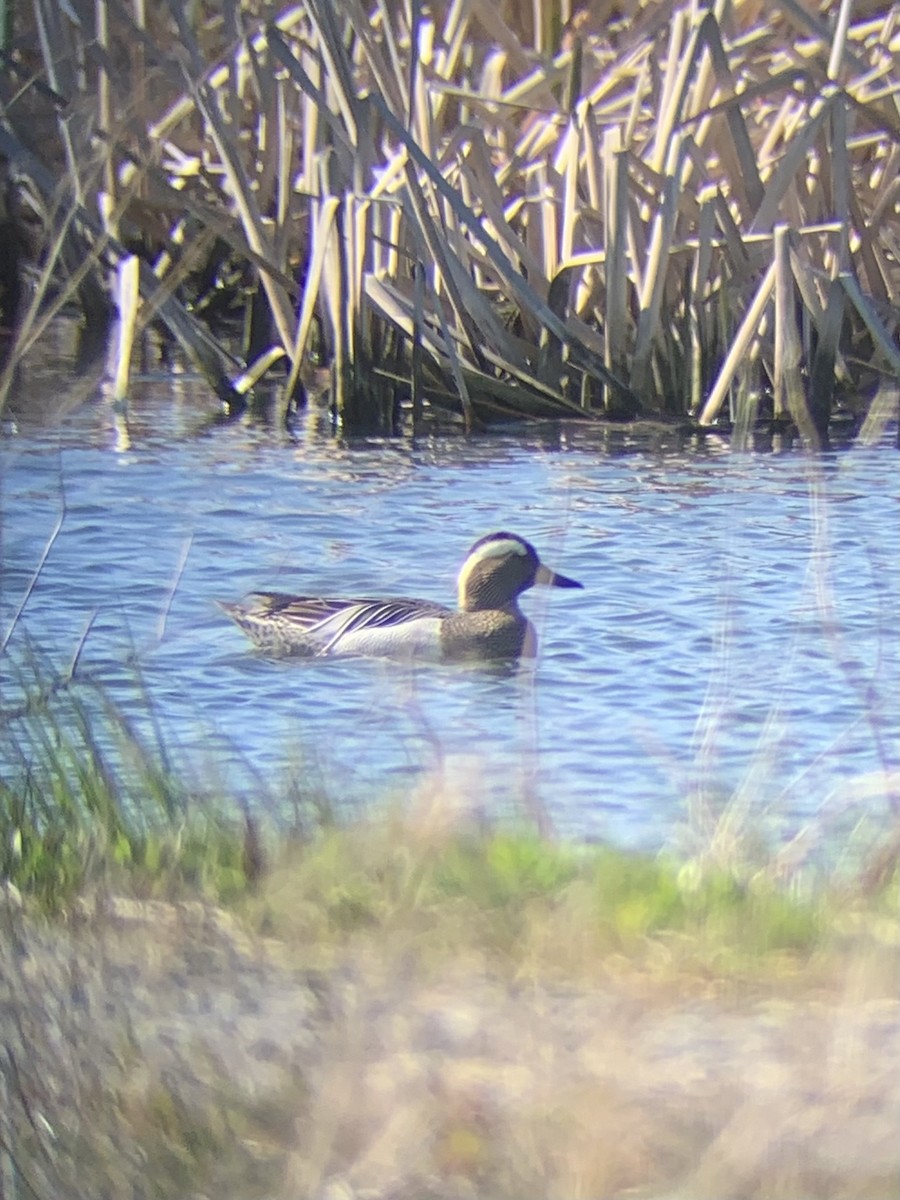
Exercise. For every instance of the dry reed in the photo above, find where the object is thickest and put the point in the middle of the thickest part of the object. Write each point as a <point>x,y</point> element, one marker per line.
<point>688,212</point>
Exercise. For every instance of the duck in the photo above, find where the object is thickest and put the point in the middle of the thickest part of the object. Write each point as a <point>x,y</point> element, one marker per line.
<point>486,625</point>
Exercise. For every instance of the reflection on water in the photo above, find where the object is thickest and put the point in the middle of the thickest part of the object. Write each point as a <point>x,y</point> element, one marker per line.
<point>737,631</point>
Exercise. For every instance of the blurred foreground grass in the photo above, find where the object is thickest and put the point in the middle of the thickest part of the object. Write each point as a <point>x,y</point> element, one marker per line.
<point>421,1004</point>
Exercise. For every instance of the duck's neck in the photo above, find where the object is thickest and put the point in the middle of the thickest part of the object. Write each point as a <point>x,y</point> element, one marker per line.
<point>483,595</point>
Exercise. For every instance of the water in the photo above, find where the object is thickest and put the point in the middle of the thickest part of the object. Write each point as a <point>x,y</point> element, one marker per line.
<point>737,635</point>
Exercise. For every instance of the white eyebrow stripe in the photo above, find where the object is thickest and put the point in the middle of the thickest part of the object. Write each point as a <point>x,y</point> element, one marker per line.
<point>495,549</point>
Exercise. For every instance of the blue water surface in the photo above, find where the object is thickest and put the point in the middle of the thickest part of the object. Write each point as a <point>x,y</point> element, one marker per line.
<point>734,649</point>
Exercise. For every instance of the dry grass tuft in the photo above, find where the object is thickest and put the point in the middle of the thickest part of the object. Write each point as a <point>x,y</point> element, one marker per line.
<point>428,1009</point>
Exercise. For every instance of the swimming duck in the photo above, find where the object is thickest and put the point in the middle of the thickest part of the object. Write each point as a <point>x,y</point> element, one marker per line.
<point>487,624</point>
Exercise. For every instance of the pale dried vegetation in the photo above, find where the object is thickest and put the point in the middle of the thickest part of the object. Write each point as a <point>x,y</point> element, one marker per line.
<point>666,209</point>
<point>419,1010</point>
<point>659,208</point>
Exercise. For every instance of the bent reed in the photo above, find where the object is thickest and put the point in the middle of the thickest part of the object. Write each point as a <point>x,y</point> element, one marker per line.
<point>684,211</point>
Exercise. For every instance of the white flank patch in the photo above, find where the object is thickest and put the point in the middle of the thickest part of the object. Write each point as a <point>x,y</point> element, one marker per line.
<point>419,639</point>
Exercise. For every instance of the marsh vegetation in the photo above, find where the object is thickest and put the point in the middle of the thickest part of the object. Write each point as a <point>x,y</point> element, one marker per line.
<point>496,211</point>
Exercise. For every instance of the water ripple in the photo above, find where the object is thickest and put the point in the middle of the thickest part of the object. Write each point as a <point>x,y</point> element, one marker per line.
<point>738,622</point>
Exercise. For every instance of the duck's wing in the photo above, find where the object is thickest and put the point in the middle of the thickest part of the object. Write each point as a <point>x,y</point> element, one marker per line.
<point>326,621</point>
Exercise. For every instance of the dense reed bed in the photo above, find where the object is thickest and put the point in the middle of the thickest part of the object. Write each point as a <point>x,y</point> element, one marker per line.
<point>642,208</point>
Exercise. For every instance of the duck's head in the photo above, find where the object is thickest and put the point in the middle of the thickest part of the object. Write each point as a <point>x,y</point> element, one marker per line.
<point>499,568</point>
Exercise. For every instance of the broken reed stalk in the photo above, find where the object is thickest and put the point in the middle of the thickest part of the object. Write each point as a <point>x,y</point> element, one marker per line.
<point>787,383</point>
<point>590,224</point>
<point>127,301</point>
